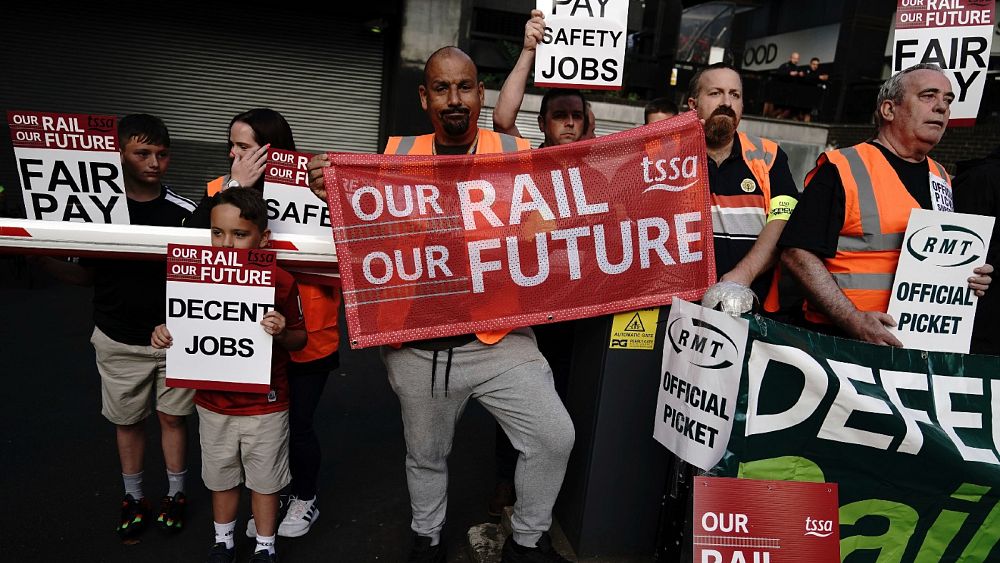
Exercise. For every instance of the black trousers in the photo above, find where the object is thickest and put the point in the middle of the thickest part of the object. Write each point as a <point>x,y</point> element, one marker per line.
<point>306,382</point>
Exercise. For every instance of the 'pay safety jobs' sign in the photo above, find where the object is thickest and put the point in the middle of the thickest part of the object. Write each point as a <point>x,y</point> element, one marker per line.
<point>953,34</point>
<point>69,166</point>
<point>931,300</point>
<point>583,45</point>
<point>216,298</point>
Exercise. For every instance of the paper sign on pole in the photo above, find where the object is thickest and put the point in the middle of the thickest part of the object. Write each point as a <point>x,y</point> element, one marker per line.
<point>765,521</point>
<point>291,206</point>
<point>216,298</point>
<point>583,45</point>
<point>931,300</point>
<point>69,166</point>
<point>700,382</point>
<point>953,34</point>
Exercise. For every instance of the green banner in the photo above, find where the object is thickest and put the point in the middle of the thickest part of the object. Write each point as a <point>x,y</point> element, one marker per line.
<point>911,437</point>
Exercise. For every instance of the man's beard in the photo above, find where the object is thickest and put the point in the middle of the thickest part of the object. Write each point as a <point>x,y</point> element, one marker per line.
<point>720,127</point>
<point>455,128</point>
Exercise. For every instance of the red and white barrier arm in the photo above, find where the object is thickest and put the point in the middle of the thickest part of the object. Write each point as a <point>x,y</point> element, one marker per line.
<point>58,238</point>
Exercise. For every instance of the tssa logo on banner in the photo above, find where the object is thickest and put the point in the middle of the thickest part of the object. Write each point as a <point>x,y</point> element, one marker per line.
<point>674,175</point>
<point>702,343</point>
<point>946,246</point>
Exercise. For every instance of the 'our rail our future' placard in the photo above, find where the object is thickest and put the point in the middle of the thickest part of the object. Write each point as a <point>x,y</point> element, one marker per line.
<point>69,166</point>
<point>216,298</point>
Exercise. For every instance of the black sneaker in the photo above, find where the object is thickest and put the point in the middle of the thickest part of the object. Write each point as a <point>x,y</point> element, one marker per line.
<point>221,554</point>
<point>133,518</point>
<point>543,552</point>
<point>424,552</point>
<point>171,516</point>
<point>263,556</point>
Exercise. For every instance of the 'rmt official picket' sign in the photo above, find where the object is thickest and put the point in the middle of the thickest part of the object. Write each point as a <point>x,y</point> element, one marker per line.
<point>953,34</point>
<point>70,167</point>
<point>434,246</point>
<point>291,207</point>
<point>747,521</point>
<point>931,300</point>
<point>216,298</point>
<point>583,45</point>
<point>699,382</point>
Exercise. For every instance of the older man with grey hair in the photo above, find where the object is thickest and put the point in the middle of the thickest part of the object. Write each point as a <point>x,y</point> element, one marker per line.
<point>843,241</point>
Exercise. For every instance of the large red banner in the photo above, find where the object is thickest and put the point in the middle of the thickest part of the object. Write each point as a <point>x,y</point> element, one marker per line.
<point>434,246</point>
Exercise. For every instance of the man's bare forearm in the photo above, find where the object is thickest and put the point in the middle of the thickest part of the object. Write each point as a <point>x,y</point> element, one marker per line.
<point>819,286</point>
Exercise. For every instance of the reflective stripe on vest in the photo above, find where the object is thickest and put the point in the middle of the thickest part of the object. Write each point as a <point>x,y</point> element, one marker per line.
<point>871,223</point>
<point>490,142</point>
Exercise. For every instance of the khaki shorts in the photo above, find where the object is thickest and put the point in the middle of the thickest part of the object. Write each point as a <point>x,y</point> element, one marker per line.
<point>251,448</point>
<point>128,375</point>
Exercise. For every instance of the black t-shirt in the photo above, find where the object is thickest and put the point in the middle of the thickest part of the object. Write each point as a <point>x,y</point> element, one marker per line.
<point>130,295</point>
<point>451,149</point>
<point>728,180</point>
<point>815,226</point>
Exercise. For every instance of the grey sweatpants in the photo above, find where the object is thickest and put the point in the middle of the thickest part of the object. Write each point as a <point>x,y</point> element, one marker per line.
<point>513,381</point>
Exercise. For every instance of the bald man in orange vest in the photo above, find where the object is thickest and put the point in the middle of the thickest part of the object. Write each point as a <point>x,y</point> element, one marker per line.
<point>503,370</point>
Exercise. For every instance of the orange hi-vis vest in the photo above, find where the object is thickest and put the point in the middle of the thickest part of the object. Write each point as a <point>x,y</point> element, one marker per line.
<point>759,154</point>
<point>320,305</point>
<point>490,142</point>
<point>876,211</point>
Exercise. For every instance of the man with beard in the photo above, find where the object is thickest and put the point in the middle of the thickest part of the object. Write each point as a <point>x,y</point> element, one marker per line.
<point>753,193</point>
<point>502,369</point>
<point>843,243</point>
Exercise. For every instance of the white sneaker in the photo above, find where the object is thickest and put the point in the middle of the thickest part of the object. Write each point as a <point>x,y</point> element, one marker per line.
<point>251,528</point>
<point>300,517</point>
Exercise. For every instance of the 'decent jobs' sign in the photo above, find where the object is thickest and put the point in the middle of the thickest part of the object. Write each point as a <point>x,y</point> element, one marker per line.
<point>931,300</point>
<point>953,34</point>
<point>291,206</point>
<point>216,298</point>
<point>69,166</point>
<point>583,45</point>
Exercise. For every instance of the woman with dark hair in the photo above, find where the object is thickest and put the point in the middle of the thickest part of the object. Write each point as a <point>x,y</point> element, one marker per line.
<point>251,134</point>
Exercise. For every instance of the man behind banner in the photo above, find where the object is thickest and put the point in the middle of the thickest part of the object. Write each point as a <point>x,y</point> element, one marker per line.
<point>843,242</point>
<point>753,193</point>
<point>504,370</point>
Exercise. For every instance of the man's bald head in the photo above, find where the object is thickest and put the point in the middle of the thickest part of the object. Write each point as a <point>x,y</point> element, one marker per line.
<point>452,96</point>
<point>450,55</point>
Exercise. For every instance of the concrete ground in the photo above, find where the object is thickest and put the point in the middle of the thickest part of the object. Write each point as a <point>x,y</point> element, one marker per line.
<point>60,483</point>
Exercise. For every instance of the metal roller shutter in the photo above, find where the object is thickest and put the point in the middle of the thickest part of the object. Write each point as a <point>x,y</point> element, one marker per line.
<point>196,71</point>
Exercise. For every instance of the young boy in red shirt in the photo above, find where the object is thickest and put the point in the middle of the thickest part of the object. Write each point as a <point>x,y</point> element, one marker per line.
<point>244,436</point>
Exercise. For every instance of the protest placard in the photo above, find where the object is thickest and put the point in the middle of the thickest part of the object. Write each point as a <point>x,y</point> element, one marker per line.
<point>69,166</point>
<point>216,298</point>
<point>291,206</point>
<point>757,521</point>
<point>435,246</point>
<point>583,45</point>
<point>953,34</point>
<point>699,383</point>
<point>931,300</point>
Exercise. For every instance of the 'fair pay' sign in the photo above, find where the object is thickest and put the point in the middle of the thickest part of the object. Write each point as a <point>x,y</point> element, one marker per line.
<point>953,34</point>
<point>216,298</point>
<point>583,45</point>
<point>70,167</point>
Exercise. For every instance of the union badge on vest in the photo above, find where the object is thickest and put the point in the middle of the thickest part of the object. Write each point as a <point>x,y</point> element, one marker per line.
<point>748,185</point>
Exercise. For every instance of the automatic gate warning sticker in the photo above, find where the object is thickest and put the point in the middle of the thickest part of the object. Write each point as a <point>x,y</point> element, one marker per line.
<point>634,330</point>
